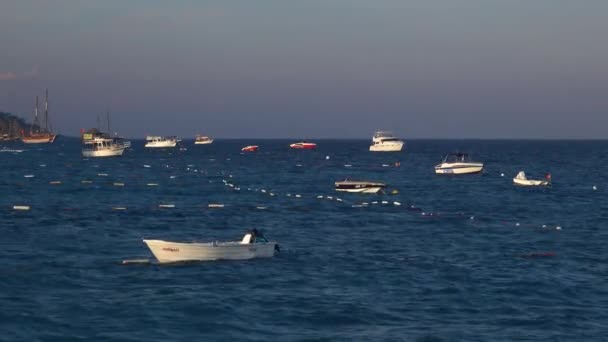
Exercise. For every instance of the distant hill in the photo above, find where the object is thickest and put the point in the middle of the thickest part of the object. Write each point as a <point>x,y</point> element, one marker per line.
<point>11,126</point>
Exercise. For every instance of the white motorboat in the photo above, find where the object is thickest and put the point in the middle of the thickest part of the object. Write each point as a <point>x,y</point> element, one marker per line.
<point>362,187</point>
<point>160,142</point>
<point>458,164</point>
<point>100,146</point>
<point>202,140</point>
<point>253,245</point>
<point>385,142</point>
<point>522,180</point>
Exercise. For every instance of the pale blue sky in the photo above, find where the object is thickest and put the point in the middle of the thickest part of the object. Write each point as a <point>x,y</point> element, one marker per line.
<point>342,68</point>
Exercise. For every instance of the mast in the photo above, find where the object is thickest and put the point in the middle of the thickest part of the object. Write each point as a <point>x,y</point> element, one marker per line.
<point>108,118</point>
<point>98,126</point>
<point>35,116</point>
<point>46,111</point>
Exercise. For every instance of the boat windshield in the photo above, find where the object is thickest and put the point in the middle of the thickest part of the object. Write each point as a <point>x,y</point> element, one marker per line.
<point>456,158</point>
<point>390,139</point>
<point>384,134</point>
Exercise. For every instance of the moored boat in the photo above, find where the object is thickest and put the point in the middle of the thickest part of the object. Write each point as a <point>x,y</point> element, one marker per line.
<point>202,140</point>
<point>160,142</point>
<point>38,135</point>
<point>384,141</point>
<point>364,187</point>
<point>458,164</point>
<point>522,180</point>
<point>250,148</point>
<point>303,145</point>
<point>253,245</point>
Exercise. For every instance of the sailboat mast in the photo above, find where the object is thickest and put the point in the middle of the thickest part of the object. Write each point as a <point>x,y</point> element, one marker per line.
<point>35,116</point>
<point>46,111</point>
<point>108,117</point>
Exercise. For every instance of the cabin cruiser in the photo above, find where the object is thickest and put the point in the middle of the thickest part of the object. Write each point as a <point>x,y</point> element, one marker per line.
<point>385,142</point>
<point>253,245</point>
<point>522,180</point>
<point>303,145</point>
<point>250,148</point>
<point>100,146</point>
<point>160,142</point>
<point>458,164</point>
<point>363,187</point>
<point>202,140</point>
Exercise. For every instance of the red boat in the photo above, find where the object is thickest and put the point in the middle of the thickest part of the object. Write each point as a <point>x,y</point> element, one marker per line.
<point>303,145</point>
<point>250,148</point>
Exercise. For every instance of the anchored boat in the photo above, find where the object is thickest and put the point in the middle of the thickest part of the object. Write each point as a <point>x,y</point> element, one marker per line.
<point>522,180</point>
<point>250,148</point>
<point>385,142</point>
<point>253,245</point>
<point>38,135</point>
<point>458,164</point>
<point>303,145</point>
<point>363,187</point>
<point>160,142</point>
<point>202,140</point>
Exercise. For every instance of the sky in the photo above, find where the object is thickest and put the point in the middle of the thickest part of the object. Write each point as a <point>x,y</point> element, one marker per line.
<point>311,69</point>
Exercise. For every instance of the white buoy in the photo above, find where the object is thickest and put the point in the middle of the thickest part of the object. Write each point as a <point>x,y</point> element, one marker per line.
<point>326,157</point>
<point>384,202</point>
<point>28,176</point>
<point>502,175</point>
<point>215,205</point>
<point>119,208</point>
<point>594,187</point>
<point>558,228</point>
<point>102,174</point>
<point>397,203</point>
<point>517,224</point>
<point>298,196</point>
<point>166,205</point>
<point>55,182</point>
<point>147,166</point>
<point>21,207</point>
<point>339,199</point>
<point>152,184</point>
<point>348,165</point>
<point>172,177</point>
<point>86,182</point>
<point>319,196</point>
<point>119,184</point>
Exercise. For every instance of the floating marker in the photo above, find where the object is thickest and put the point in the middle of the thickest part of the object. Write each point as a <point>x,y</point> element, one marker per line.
<point>172,177</point>
<point>348,165</point>
<point>397,203</point>
<point>594,187</point>
<point>298,196</point>
<point>264,191</point>
<point>330,198</point>
<point>339,199</point>
<point>326,157</point>
<point>261,207</point>
<point>319,196</point>
<point>147,166</point>
<point>215,205</point>
<point>374,202</point>
<point>385,165</point>
<point>517,224</point>
<point>166,205</point>
<point>86,182</point>
<point>502,175</point>
<point>119,184</point>
<point>42,165</point>
<point>102,174</point>
<point>28,176</point>
<point>271,194</point>
<point>55,182</point>
<point>558,228</point>
<point>384,202</point>
<point>119,208</point>
<point>152,184</point>
<point>21,207</point>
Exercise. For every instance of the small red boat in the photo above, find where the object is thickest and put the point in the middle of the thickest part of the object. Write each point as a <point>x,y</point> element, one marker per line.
<point>250,148</point>
<point>303,145</point>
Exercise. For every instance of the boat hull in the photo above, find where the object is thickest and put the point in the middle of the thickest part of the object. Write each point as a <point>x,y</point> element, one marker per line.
<point>45,139</point>
<point>458,169</point>
<point>387,147</point>
<point>170,252</point>
<point>530,182</point>
<point>370,190</point>
<point>103,153</point>
<point>204,142</point>
<point>161,144</point>
<point>303,146</point>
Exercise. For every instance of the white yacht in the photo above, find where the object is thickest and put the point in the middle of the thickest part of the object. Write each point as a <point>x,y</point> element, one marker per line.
<point>101,145</point>
<point>253,245</point>
<point>160,142</point>
<point>458,164</point>
<point>202,140</point>
<point>384,141</point>
<point>362,187</point>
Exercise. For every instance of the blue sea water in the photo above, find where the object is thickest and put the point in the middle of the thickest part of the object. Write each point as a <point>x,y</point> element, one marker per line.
<point>469,258</point>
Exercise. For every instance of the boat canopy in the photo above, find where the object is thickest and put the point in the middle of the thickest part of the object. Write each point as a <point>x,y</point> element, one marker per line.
<point>521,175</point>
<point>456,158</point>
<point>384,134</point>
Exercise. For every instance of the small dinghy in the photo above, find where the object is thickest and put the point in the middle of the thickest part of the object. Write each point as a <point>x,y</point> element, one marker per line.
<point>253,245</point>
<point>522,180</point>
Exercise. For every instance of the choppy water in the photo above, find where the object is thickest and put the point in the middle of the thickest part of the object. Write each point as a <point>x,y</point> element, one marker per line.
<point>469,258</point>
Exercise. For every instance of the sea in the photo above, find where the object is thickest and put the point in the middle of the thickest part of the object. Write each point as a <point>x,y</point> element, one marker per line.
<point>435,258</point>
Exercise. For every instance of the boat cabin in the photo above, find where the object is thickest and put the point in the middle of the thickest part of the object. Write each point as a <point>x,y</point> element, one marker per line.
<point>457,158</point>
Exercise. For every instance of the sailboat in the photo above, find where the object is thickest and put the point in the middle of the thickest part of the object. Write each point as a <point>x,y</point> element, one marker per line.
<point>40,136</point>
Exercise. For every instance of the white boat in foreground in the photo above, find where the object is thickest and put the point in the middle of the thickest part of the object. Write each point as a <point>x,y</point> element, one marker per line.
<point>385,142</point>
<point>458,164</point>
<point>362,187</point>
<point>101,145</point>
<point>522,180</point>
<point>160,142</point>
<point>253,245</point>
